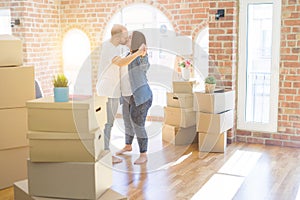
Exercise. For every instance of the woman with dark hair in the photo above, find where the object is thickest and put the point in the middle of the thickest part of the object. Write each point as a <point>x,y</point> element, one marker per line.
<point>136,106</point>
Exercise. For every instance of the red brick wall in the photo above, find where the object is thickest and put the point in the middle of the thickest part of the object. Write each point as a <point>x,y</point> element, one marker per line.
<point>41,35</point>
<point>288,133</point>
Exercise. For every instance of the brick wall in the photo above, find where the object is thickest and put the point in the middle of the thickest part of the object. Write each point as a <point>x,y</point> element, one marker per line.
<point>288,133</point>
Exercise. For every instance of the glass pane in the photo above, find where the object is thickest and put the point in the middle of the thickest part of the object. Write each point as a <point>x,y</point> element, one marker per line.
<point>259,46</point>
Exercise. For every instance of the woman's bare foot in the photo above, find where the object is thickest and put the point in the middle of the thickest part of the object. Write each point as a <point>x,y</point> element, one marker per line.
<point>142,159</point>
<point>116,160</point>
<point>127,148</point>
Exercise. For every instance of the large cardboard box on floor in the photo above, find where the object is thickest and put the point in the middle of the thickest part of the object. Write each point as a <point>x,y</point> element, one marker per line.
<point>179,136</point>
<point>65,147</point>
<point>11,51</point>
<point>17,86</point>
<point>21,193</point>
<point>13,166</point>
<point>214,123</point>
<point>215,102</point>
<point>183,86</point>
<point>70,180</point>
<point>180,100</point>
<point>212,142</point>
<point>13,128</point>
<point>179,117</point>
<point>74,116</point>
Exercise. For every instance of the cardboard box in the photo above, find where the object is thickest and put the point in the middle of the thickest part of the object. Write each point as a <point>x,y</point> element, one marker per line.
<point>71,180</point>
<point>180,100</point>
<point>69,147</point>
<point>17,86</point>
<point>100,104</point>
<point>183,86</point>
<point>21,193</point>
<point>13,128</point>
<point>74,116</point>
<point>212,142</point>
<point>179,136</point>
<point>214,123</point>
<point>214,103</point>
<point>13,166</point>
<point>11,51</point>
<point>179,117</point>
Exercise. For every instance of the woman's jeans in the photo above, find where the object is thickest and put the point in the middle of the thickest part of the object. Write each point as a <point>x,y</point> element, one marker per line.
<point>134,120</point>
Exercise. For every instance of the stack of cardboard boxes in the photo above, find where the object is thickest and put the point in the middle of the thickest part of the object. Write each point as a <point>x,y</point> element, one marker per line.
<point>17,86</point>
<point>214,118</point>
<point>179,118</point>
<point>67,156</point>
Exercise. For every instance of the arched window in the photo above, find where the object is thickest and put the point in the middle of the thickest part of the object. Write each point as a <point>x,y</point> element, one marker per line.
<point>77,63</point>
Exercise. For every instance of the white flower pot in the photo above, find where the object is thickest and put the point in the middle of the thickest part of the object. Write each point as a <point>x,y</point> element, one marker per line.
<point>185,73</point>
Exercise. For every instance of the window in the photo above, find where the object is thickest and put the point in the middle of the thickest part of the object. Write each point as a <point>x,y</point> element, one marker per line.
<point>5,20</point>
<point>259,65</point>
<point>76,62</point>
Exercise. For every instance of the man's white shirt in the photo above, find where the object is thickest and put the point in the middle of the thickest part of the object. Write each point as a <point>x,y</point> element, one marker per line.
<point>110,75</point>
<point>108,83</point>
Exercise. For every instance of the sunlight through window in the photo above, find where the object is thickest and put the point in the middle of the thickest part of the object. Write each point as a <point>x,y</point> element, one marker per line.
<point>76,62</point>
<point>225,184</point>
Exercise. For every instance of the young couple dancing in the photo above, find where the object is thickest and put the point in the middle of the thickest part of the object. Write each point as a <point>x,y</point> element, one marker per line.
<point>124,78</point>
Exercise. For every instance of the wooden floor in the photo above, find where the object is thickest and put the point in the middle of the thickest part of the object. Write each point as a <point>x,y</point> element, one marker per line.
<point>245,171</point>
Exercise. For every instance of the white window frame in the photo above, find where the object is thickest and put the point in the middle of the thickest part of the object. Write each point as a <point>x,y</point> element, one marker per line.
<point>242,124</point>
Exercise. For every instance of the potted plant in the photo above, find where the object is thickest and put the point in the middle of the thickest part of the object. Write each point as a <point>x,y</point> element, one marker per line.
<point>61,88</point>
<point>185,66</point>
<point>210,84</point>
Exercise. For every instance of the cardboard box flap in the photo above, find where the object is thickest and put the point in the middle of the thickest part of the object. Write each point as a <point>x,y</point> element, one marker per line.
<point>61,136</point>
<point>48,103</point>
